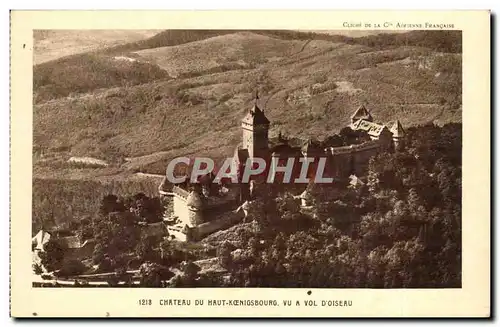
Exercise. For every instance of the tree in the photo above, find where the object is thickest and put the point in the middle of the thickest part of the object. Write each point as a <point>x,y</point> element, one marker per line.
<point>98,254</point>
<point>404,264</point>
<point>115,233</point>
<point>166,250</point>
<point>278,249</point>
<point>85,230</point>
<point>110,204</point>
<point>333,141</point>
<point>52,256</point>
<point>190,270</point>
<point>414,200</point>
<point>145,249</point>
<point>106,265</point>
<point>37,269</point>
<point>258,213</point>
<point>146,209</point>
<point>153,274</point>
<point>72,268</point>
<point>377,263</point>
<point>288,208</point>
<point>224,254</point>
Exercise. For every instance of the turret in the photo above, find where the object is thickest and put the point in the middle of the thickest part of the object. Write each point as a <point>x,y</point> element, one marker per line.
<point>361,113</point>
<point>195,206</point>
<point>194,200</point>
<point>398,134</point>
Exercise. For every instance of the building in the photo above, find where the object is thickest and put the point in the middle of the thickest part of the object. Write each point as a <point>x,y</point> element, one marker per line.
<point>199,209</point>
<point>342,161</point>
<point>205,207</point>
<point>74,248</point>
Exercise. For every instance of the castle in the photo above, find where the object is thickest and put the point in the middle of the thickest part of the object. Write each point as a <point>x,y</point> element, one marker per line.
<point>203,208</point>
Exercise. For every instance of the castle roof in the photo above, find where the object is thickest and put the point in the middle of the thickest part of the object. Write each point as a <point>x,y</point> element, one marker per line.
<point>373,129</point>
<point>396,128</point>
<point>377,129</point>
<point>194,200</point>
<point>256,117</point>
<point>306,195</point>
<point>362,113</point>
<point>356,124</point>
<point>355,181</point>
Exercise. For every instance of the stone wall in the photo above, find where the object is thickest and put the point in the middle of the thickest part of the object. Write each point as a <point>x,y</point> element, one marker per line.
<point>225,221</point>
<point>346,160</point>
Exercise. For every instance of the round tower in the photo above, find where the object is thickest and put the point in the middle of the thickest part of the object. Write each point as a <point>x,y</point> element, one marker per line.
<point>398,134</point>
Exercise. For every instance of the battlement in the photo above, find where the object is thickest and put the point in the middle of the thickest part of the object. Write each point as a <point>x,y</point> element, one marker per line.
<point>349,149</point>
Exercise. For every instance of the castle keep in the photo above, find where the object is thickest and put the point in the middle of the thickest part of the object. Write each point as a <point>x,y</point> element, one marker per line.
<point>202,208</point>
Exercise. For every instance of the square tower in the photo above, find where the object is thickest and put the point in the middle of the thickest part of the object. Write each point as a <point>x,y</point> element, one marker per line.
<point>255,127</point>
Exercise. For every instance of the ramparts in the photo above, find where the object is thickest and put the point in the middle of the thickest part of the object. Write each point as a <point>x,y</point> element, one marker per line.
<point>352,149</point>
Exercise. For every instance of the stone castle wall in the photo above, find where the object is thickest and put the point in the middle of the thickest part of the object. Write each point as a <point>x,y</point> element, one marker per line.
<point>345,160</point>
<point>227,220</point>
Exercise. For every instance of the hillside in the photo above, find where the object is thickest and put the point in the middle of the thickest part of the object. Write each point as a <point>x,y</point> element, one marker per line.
<point>190,93</point>
<point>246,51</point>
<point>446,41</point>
<point>87,72</point>
<point>53,44</point>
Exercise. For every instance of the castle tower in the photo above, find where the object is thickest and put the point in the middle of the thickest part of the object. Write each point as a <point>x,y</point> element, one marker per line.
<point>195,207</point>
<point>361,113</point>
<point>398,134</point>
<point>255,128</point>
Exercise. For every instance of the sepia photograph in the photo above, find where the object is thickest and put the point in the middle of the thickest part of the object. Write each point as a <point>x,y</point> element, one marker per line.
<point>195,158</point>
<point>246,164</point>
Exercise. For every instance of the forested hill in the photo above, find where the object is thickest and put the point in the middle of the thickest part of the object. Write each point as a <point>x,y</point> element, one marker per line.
<point>442,41</point>
<point>402,229</point>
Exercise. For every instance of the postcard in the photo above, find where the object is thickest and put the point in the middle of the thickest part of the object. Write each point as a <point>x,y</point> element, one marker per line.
<point>250,164</point>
